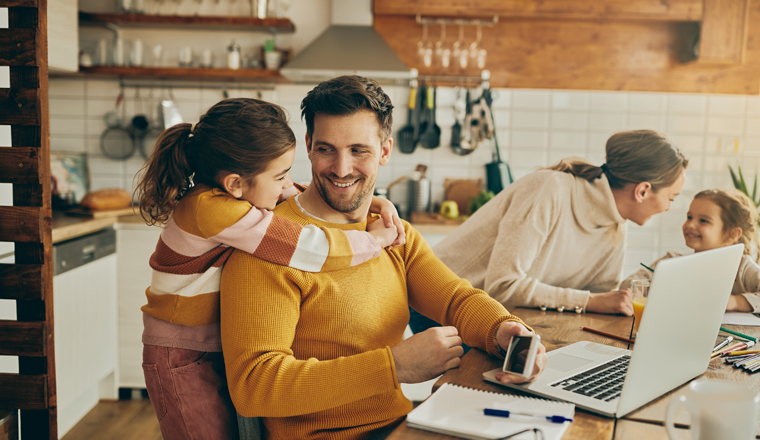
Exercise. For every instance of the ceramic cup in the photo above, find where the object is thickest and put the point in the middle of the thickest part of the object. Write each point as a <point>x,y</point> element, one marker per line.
<point>272,59</point>
<point>719,410</point>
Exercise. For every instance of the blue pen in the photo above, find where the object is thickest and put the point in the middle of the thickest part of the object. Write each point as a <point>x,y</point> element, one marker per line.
<point>503,413</point>
<point>650,269</point>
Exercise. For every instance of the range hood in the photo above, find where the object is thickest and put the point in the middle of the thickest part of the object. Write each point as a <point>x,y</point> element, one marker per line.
<point>349,48</point>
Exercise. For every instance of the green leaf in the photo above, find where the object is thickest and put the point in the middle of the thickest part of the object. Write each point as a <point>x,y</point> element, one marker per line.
<point>733,177</point>
<point>741,181</point>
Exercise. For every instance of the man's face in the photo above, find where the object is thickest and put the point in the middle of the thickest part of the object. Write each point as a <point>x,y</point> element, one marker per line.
<point>345,154</point>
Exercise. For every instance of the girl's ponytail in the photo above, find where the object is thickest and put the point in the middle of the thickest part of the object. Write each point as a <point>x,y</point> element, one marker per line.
<point>165,176</point>
<point>235,136</point>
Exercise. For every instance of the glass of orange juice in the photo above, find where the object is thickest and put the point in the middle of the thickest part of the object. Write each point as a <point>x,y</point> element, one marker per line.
<point>639,293</point>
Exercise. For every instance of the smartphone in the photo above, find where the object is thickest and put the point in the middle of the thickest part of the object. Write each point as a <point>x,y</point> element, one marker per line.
<point>521,355</point>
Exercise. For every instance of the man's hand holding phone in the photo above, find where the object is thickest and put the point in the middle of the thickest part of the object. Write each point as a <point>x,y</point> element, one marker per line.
<point>526,356</point>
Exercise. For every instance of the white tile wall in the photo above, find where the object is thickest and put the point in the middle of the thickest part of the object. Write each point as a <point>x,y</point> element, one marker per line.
<point>534,128</point>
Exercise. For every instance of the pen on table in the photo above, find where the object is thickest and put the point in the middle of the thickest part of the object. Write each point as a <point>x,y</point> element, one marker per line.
<point>736,346</point>
<point>731,347</point>
<point>741,347</point>
<point>741,335</point>
<point>739,361</point>
<point>503,413</point>
<point>650,269</point>
<point>748,362</point>
<point>743,352</point>
<point>723,343</point>
<point>609,335</point>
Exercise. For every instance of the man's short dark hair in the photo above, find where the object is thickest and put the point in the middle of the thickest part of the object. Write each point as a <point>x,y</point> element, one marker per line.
<point>346,95</point>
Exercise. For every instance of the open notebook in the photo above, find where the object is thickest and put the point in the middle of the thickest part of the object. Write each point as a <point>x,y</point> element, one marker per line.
<point>458,411</point>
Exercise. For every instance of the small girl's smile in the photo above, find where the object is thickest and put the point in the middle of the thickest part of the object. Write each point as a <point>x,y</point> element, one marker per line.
<point>703,229</point>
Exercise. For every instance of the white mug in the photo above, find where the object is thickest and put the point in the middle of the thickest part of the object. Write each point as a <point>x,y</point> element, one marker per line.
<point>719,409</point>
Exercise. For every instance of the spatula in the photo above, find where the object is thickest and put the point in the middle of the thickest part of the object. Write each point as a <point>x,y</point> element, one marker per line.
<point>422,113</point>
<point>431,136</point>
<point>406,140</point>
<point>456,129</point>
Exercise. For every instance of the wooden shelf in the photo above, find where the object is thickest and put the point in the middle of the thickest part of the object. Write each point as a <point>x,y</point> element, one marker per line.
<point>278,25</point>
<point>242,75</point>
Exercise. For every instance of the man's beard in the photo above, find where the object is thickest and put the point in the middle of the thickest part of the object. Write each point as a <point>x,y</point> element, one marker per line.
<point>344,206</point>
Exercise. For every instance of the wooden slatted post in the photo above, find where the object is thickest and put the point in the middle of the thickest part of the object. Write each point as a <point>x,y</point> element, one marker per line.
<point>27,223</point>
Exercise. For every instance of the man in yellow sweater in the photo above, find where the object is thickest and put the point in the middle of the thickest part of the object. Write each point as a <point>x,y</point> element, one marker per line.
<point>322,355</point>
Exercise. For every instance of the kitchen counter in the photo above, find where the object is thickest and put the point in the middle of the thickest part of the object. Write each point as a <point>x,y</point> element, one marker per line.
<point>66,227</point>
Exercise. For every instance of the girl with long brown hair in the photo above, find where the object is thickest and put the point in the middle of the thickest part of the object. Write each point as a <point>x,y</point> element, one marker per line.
<point>212,185</point>
<point>718,218</point>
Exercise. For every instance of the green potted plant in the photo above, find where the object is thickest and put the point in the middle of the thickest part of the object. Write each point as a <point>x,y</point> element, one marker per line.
<point>741,185</point>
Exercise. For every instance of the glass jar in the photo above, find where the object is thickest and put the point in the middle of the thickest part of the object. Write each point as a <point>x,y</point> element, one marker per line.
<point>233,56</point>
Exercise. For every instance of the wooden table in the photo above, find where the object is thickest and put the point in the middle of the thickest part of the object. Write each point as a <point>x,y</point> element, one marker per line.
<point>560,329</point>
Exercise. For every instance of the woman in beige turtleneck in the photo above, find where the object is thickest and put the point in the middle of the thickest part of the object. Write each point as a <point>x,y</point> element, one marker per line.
<point>556,237</point>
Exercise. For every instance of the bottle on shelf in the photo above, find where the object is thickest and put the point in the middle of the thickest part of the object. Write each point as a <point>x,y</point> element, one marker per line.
<point>233,56</point>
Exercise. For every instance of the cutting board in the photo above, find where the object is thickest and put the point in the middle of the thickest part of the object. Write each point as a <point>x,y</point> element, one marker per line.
<point>462,191</point>
<point>431,218</point>
<point>129,210</point>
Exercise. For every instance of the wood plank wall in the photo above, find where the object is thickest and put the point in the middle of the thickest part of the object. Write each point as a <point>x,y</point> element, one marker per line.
<point>27,223</point>
<point>636,45</point>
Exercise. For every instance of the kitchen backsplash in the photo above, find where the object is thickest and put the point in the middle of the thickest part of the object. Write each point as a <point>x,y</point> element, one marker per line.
<point>534,128</point>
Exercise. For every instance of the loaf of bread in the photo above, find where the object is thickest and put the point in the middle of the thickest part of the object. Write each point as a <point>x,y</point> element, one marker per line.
<point>109,198</point>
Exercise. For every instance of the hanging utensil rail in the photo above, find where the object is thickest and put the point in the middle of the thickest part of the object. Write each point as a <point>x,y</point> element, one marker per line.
<point>446,80</point>
<point>457,21</point>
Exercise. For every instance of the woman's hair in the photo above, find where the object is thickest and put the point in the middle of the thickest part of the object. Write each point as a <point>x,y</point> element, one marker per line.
<point>736,211</point>
<point>633,157</point>
<point>240,136</point>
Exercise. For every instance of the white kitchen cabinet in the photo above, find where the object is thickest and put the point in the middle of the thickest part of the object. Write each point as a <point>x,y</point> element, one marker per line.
<point>136,243</point>
<point>63,35</point>
<point>86,340</point>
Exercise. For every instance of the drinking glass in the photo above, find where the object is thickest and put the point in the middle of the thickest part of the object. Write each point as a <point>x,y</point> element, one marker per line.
<point>459,51</point>
<point>136,53</point>
<point>158,56</point>
<point>639,294</point>
<point>186,56</point>
<point>442,50</point>
<point>425,48</point>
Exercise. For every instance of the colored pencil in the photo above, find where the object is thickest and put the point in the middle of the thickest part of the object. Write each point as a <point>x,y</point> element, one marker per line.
<point>599,332</point>
<point>731,347</point>
<point>741,335</point>
<point>652,270</point>
<point>741,352</point>
<point>729,350</point>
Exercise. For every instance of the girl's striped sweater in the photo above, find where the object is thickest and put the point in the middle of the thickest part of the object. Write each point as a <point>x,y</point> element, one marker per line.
<point>183,297</point>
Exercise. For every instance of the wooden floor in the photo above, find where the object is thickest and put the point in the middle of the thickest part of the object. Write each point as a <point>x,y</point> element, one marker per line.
<point>118,420</point>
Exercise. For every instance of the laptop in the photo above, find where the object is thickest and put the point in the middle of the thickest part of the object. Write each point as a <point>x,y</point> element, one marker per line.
<point>687,298</point>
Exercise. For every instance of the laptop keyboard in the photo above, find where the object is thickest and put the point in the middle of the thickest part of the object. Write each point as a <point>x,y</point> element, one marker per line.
<point>603,382</point>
